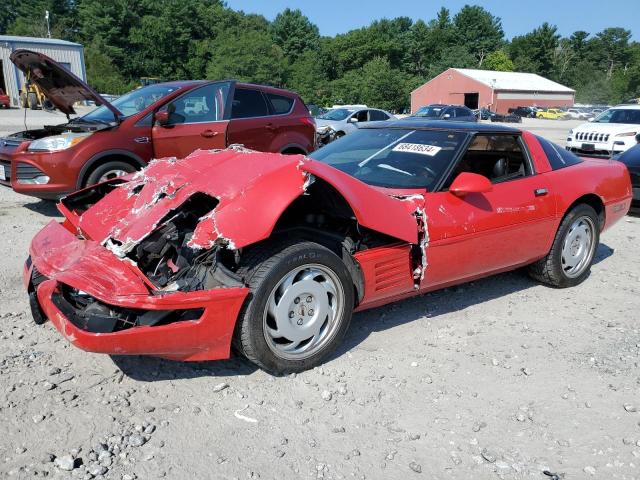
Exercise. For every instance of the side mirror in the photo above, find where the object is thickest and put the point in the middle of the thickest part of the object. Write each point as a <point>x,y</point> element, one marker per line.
<point>467,183</point>
<point>161,118</point>
<point>638,138</point>
<point>446,116</point>
<point>353,120</point>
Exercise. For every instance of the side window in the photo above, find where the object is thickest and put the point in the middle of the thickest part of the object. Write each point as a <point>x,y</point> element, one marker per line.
<point>204,104</point>
<point>500,158</point>
<point>280,104</point>
<point>248,103</point>
<point>377,115</point>
<point>362,116</point>
<point>558,157</point>
<point>461,112</point>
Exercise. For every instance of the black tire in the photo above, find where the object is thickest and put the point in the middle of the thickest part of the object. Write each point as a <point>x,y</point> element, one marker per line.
<point>36,311</point>
<point>105,168</point>
<point>263,268</point>
<point>32,100</point>
<point>549,269</point>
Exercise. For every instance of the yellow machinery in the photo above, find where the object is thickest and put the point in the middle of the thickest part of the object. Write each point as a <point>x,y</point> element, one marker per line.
<point>32,97</point>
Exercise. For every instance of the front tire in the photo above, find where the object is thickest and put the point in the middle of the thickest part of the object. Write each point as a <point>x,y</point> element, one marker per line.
<point>569,261</point>
<point>299,307</point>
<point>107,171</point>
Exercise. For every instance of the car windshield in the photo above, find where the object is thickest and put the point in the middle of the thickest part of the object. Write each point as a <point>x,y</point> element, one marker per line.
<point>429,112</point>
<point>619,115</point>
<point>336,114</point>
<point>393,157</point>
<point>130,103</point>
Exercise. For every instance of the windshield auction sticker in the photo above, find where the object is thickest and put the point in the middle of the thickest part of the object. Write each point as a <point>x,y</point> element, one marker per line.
<point>430,150</point>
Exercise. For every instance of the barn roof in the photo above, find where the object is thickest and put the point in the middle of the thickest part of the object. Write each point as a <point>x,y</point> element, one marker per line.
<point>37,41</point>
<point>515,81</point>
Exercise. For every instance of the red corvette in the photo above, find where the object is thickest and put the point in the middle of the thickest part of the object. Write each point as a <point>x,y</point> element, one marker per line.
<point>273,253</point>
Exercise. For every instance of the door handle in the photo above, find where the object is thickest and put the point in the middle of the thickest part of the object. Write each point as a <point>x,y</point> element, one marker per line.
<point>208,134</point>
<point>540,192</point>
<point>142,139</point>
<point>271,127</point>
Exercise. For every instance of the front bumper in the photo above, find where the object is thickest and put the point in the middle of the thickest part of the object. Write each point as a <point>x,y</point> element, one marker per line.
<point>60,260</point>
<point>22,165</point>
<point>598,145</point>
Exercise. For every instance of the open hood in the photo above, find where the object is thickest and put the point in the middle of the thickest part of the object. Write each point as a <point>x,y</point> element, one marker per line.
<point>57,83</point>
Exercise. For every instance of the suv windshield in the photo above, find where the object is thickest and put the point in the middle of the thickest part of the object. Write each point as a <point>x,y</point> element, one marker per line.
<point>429,112</point>
<point>619,115</point>
<point>336,114</point>
<point>393,157</point>
<point>130,103</point>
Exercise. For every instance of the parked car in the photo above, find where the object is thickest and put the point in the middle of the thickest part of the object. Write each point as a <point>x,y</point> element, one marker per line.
<point>160,120</point>
<point>527,112</point>
<point>345,120</point>
<point>508,118</point>
<point>5,101</point>
<point>436,111</point>
<point>552,114</point>
<point>483,114</point>
<point>611,132</point>
<point>273,253</point>
<point>631,158</point>
<point>576,114</point>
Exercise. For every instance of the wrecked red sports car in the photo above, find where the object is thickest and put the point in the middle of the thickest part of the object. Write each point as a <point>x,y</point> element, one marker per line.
<point>273,253</point>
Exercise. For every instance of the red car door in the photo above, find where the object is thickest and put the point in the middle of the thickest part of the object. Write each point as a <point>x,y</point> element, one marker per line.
<point>251,124</point>
<point>478,233</point>
<point>196,121</point>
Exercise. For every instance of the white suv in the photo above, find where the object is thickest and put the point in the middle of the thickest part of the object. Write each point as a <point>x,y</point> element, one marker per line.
<point>613,131</point>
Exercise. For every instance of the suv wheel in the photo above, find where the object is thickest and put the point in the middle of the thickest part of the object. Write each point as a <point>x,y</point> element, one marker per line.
<point>109,170</point>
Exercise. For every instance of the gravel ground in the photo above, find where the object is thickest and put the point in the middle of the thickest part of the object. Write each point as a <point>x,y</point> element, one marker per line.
<point>499,378</point>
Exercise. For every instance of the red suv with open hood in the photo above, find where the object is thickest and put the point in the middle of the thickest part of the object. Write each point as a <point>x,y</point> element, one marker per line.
<point>162,120</point>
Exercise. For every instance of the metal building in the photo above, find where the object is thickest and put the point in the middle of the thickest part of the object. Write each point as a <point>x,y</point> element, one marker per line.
<point>68,54</point>
<point>497,91</point>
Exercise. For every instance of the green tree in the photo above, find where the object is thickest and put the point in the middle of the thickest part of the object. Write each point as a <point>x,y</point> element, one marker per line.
<point>611,48</point>
<point>534,52</point>
<point>101,72</point>
<point>294,33</point>
<point>479,31</point>
<point>499,61</point>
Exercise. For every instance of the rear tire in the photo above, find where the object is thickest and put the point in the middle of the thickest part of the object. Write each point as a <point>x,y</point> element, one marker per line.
<point>107,171</point>
<point>299,306</point>
<point>32,99</point>
<point>569,261</point>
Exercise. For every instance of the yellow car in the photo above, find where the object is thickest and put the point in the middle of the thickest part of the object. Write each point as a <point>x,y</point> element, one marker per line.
<point>551,114</point>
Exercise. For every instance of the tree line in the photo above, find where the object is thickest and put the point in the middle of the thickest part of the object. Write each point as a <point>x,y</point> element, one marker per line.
<point>378,65</point>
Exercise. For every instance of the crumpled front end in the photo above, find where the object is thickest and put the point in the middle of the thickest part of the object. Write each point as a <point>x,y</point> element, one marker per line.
<point>102,304</point>
<point>145,265</point>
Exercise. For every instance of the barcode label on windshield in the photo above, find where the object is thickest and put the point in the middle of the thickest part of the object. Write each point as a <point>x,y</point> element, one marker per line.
<point>430,150</point>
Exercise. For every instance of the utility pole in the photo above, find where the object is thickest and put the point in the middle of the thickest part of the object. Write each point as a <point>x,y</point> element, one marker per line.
<point>46,17</point>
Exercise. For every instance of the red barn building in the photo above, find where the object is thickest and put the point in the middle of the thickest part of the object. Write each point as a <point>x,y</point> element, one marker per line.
<point>497,91</point>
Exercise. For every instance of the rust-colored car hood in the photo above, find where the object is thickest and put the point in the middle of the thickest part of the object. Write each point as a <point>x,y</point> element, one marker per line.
<point>57,83</point>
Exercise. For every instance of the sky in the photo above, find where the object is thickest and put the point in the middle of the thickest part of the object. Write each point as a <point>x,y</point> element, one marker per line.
<point>518,16</point>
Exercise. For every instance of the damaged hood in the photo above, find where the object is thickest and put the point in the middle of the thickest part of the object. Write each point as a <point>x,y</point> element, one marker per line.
<point>238,181</point>
<point>244,192</point>
<point>57,83</point>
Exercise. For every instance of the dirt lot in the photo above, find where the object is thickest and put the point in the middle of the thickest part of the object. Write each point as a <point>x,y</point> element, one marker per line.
<point>500,378</point>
